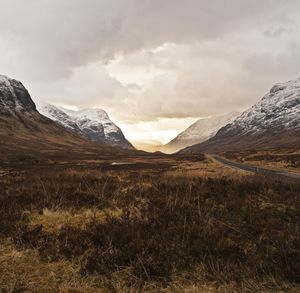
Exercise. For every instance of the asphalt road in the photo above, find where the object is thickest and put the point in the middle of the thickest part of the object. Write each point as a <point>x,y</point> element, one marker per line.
<point>256,169</point>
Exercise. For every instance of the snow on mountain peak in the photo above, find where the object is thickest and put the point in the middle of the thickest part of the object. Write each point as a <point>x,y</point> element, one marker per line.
<point>91,114</point>
<point>278,109</point>
<point>14,97</point>
<point>91,123</point>
<point>272,123</point>
<point>201,130</point>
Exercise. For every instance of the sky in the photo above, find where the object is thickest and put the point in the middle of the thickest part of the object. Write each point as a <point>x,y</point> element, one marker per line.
<point>155,66</point>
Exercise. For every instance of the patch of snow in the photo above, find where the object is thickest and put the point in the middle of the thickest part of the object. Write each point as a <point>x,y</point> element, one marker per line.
<point>92,123</point>
<point>13,96</point>
<point>200,131</point>
<point>279,108</point>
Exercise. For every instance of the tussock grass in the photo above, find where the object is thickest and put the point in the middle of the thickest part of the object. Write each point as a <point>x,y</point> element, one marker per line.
<point>280,159</point>
<point>23,271</point>
<point>148,232</point>
<point>53,220</point>
<point>205,169</point>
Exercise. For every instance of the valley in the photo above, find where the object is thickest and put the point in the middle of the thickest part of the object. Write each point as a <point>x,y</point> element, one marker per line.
<point>81,210</point>
<point>149,146</point>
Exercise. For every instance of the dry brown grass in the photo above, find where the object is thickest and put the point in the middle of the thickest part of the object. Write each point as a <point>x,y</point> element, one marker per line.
<point>23,271</point>
<point>53,220</point>
<point>171,225</point>
<point>277,159</point>
<point>206,169</point>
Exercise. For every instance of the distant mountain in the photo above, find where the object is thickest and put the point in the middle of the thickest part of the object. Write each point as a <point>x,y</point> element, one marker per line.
<point>93,124</point>
<point>274,122</point>
<point>200,131</point>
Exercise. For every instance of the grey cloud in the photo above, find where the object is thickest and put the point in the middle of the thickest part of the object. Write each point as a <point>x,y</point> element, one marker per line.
<point>54,36</point>
<point>225,54</point>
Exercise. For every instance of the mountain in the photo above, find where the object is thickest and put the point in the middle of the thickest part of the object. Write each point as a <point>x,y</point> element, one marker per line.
<point>94,124</point>
<point>14,98</point>
<point>200,131</point>
<point>25,132</point>
<point>22,126</point>
<point>272,123</point>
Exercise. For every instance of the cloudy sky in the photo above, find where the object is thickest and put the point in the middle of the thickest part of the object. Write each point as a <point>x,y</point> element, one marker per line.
<point>154,65</point>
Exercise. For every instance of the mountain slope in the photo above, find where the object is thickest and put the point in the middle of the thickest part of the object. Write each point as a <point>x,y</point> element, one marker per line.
<point>198,132</point>
<point>23,130</point>
<point>273,122</point>
<point>14,98</point>
<point>22,126</point>
<point>93,124</point>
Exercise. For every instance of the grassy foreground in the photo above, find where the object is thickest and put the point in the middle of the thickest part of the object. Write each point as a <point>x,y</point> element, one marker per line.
<point>76,229</point>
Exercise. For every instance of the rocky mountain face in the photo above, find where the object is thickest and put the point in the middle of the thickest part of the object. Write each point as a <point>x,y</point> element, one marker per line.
<point>200,131</point>
<point>273,122</point>
<point>14,97</point>
<point>93,124</point>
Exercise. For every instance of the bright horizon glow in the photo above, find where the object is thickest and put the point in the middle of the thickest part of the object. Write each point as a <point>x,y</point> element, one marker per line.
<point>154,132</point>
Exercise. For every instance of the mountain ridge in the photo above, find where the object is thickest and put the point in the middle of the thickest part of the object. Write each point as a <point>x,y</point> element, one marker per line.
<point>200,131</point>
<point>14,97</point>
<point>24,132</point>
<point>273,122</point>
<point>93,124</point>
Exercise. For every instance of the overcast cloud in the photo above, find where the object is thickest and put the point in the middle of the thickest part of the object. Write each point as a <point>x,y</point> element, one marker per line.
<point>150,60</point>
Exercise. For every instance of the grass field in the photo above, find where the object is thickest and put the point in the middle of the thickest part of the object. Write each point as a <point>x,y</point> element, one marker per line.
<point>161,224</point>
<point>284,159</point>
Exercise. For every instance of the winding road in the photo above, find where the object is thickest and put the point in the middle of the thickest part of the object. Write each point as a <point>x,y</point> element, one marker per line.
<point>256,169</point>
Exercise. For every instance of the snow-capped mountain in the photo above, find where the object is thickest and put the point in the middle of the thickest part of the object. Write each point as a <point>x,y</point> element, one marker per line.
<point>14,97</point>
<point>200,131</point>
<point>93,124</point>
<point>273,122</point>
<point>23,128</point>
<point>279,109</point>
